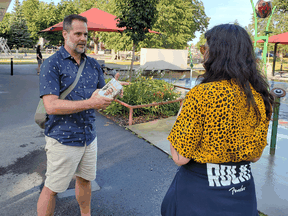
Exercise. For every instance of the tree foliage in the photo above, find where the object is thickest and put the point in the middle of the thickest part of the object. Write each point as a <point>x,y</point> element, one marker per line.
<point>278,25</point>
<point>137,16</point>
<point>202,41</point>
<point>236,22</point>
<point>5,26</point>
<point>40,15</point>
<point>177,21</point>
<point>30,10</point>
<point>18,34</point>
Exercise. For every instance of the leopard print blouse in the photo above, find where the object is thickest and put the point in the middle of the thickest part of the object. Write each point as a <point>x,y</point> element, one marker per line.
<point>214,125</point>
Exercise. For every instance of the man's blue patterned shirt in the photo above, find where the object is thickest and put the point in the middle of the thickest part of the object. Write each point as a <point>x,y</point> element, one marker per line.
<point>58,72</point>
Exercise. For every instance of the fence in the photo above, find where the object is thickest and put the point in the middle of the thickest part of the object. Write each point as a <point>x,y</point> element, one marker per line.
<point>131,107</point>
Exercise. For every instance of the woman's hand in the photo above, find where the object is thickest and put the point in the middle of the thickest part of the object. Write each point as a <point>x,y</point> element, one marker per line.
<point>255,159</point>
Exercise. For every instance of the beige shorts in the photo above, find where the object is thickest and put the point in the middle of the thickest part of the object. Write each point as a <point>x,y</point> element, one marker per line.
<point>63,162</point>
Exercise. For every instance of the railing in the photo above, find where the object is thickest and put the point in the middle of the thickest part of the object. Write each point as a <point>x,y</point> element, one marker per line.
<point>131,107</point>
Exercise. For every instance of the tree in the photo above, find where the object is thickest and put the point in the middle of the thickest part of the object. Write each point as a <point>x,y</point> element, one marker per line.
<point>277,25</point>
<point>52,14</point>
<point>5,26</point>
<point>19,31</point>
<point>177,22</point>
<point>112,40</point>
<point>85,5</point>
<point>236,22</point>
<point>30,10</point>
<point>202,41</point>
<point>138,17</point>
<point>282,5</point>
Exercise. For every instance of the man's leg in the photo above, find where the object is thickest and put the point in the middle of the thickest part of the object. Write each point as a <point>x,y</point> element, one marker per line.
<point>46,202</point>
<point>83,195</point>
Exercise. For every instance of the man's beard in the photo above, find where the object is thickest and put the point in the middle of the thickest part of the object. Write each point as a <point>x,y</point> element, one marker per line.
<point>75,47</point>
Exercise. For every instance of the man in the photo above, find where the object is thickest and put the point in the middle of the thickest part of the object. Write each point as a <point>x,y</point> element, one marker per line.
<point>71,141</point>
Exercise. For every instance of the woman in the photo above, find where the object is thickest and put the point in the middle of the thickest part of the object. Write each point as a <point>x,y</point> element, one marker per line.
<point>221,129</point>
<point>39,58</point>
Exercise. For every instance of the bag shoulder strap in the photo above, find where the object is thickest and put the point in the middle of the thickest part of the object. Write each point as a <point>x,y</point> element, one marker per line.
<point>71,87</point>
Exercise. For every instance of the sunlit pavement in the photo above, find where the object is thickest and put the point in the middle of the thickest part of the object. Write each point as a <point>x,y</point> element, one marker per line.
<point>132,175</point>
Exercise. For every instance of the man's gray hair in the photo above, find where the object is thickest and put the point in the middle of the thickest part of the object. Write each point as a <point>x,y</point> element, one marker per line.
<point>67,23</point>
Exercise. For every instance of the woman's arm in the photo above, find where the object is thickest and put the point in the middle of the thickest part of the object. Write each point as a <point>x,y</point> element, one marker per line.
<point>177,158</point>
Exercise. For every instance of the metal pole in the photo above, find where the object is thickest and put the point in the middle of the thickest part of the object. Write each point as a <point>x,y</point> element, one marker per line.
<point>11,66</point>
<point>274,125</point>
<point>277,93</point>
<point>274,58</point>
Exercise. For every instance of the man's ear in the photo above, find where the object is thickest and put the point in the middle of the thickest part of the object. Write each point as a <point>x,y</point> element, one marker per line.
<point>64,34</point>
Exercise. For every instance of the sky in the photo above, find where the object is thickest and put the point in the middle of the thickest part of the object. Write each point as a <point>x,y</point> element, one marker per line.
<point>220,11</point>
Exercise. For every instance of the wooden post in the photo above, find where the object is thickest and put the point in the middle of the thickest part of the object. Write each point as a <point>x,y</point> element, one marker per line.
<point>130,116</point>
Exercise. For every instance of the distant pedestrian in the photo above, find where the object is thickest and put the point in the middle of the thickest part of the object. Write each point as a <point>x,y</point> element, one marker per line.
<point>70,130</point>
<point>39,58</point>
<point>221,129</point>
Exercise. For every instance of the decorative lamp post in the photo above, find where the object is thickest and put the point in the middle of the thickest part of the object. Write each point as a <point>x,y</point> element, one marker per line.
<point>191,64</point>
<point>262,10</point>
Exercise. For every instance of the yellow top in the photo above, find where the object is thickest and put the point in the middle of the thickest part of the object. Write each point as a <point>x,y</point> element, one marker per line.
<point>214,125</point>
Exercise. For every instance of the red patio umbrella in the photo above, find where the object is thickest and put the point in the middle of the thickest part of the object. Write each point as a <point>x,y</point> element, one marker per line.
<point>98,20</point>
<point>277,39</point>
<point>280,38</point>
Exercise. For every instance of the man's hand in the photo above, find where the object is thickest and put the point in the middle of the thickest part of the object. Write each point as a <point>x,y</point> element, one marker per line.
<point>122,83</point>
<point>98,101</point>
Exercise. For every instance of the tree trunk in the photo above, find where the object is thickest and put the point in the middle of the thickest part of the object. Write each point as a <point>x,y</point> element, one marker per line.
<point>96,42</point>
<point>132,61</point>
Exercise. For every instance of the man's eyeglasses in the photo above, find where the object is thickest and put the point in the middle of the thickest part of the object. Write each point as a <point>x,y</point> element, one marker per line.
<point>202,49</point>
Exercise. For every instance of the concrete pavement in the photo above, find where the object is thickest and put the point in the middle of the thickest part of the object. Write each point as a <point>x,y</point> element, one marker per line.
<point>270,172</point>
<point>132,175</point>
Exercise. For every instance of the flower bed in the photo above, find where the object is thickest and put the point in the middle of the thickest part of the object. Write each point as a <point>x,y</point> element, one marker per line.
<point>146,97</point>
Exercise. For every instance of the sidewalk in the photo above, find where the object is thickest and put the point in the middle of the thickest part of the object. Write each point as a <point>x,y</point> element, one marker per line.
<point>132,175</point>
<point>270,172</point>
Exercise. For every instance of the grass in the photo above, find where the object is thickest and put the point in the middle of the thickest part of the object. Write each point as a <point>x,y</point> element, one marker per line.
<point>18,61</point>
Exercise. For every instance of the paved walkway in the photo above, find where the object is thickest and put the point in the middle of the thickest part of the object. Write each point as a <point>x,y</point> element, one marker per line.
<point>270,172</point>
<point>133,176</point>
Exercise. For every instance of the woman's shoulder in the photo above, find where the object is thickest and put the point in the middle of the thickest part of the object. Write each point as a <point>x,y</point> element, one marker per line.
<point>212,88</point>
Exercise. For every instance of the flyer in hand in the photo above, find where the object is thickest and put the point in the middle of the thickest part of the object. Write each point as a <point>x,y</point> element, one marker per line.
<point>113,86</point>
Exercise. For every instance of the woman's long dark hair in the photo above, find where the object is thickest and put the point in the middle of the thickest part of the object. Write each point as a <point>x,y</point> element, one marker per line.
<point>38,48</point>
<point>231,56</point>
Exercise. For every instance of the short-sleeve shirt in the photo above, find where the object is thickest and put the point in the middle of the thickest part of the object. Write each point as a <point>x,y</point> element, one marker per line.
<point>215,125</point>
<point>58,72</point>
<point>38,52</point>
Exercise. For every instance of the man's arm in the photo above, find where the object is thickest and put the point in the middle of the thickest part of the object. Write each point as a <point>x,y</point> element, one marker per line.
<point>56,106</point>
<point>177,158</point>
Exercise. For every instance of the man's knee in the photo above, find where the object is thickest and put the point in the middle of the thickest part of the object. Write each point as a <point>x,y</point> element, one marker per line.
<point>82,180</point>
<point>49,192</point>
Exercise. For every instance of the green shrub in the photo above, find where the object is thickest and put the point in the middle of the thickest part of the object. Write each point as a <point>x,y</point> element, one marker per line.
<point>146,91</point>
